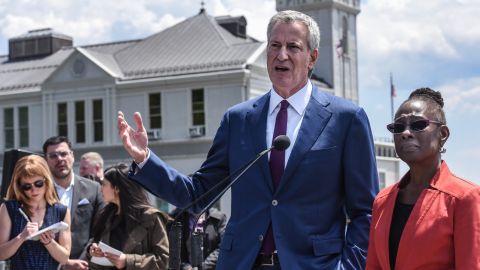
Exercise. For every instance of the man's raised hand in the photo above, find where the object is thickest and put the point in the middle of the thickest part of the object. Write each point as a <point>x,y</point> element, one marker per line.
<point>134,141</point>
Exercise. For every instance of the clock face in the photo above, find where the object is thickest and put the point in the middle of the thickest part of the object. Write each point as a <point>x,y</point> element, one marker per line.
<point>78,68</point>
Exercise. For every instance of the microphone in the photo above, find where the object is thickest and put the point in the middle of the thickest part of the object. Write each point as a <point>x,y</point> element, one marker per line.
<point>280,143</point>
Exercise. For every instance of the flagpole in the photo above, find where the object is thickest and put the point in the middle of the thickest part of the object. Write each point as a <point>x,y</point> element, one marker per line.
<point>392,94</point>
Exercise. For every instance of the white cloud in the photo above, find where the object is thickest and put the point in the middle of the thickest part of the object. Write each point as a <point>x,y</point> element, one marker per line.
<point>430,27</point>
<point>92,21</point>
<point>462,96</point>
<point>87,21</point>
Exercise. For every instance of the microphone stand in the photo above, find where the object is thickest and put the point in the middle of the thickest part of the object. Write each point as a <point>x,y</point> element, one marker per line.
<point>175,233</point>
<point>219,195</point>
<point>196,249</point>
<point>197,237</point>
<point>280,143</point>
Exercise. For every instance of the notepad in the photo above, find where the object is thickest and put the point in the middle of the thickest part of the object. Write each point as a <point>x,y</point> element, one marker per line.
<point>59,226</point>
<point>102,260</point>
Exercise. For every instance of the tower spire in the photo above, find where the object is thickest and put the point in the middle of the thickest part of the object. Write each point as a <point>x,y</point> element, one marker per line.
<point>202,9</point>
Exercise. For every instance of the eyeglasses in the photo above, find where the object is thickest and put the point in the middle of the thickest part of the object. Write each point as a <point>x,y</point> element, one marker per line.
<point>415,126</point>
<point>37,184</point>
<point>54,155</point>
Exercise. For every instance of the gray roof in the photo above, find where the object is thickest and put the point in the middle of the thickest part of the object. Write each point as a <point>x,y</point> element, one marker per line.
<point>197,45</point>
<point>30,74</point>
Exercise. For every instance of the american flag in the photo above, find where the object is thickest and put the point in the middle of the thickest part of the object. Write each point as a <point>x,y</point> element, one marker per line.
<point>393,93</point>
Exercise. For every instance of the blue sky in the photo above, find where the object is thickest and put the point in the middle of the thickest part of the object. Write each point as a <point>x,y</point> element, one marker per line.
<point>430,43</point>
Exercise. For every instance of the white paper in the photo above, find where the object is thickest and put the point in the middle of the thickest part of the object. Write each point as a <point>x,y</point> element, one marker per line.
<point>102,260</point>
<point>59,226</point>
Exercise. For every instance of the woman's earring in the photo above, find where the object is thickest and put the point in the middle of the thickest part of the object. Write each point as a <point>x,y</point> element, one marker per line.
<point>443,150</point>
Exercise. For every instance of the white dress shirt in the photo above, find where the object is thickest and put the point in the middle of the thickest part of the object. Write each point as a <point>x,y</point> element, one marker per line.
<point>66,194</point>
<point>296,110</point>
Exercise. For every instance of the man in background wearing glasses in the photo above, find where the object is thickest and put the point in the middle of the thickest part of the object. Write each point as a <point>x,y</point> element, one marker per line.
<point>82,196</point>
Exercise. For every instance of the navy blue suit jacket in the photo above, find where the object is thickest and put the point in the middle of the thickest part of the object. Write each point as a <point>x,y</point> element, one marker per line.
<point>330,178</point>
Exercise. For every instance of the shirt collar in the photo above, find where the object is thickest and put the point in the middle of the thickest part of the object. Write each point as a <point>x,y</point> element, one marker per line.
<point>297,101</point>
<point>72,183</point>
<point>441,180</point>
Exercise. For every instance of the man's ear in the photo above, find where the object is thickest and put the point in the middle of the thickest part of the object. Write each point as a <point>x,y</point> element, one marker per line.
<point>313,59</point>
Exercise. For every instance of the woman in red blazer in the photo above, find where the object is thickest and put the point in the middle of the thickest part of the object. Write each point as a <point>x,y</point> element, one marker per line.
<point>431,218</point>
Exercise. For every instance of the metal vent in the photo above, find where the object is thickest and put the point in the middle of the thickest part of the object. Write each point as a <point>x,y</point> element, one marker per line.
<point>37,43</point>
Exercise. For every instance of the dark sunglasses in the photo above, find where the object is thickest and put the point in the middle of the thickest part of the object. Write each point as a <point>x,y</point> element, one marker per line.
<point>415,126</point>
<point>58,154</point>
<point>37,184</point>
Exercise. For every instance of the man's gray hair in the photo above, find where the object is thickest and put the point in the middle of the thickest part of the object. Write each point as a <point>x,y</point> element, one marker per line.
<point>290,16</point>
<point>94,158</point>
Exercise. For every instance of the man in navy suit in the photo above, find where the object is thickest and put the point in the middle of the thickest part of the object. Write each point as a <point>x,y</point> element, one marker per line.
<point>308,207</point>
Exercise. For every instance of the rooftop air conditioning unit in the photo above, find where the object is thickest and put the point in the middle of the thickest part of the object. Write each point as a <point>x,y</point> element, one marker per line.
<point>197,131</point>
<point>154,134</point>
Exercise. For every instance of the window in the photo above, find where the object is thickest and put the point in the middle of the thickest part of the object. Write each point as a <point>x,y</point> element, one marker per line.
<point>8,127</point>
<point>62,126</point>
<point>23,126</point>
<point>381,180</point>
<point>80,121</point>
<point>94,125</point>
<point>97,120</point>
<point>155,109</point>
<point>198,107</point>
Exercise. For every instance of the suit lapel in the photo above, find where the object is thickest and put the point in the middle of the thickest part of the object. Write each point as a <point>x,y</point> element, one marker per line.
<point>257,125</point>
<point>314,121</point>
<point>77,187</point>
<point>420,210</point>
<point>384,231</point>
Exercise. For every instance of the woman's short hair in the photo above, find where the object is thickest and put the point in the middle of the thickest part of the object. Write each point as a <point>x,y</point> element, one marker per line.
<point>31,166</point>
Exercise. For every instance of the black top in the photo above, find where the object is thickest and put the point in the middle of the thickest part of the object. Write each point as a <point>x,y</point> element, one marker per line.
<point>118,232</point>
<point>400,216</point>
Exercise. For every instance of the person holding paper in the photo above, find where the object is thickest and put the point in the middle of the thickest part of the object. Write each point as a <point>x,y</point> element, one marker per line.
<point>31,205</point>
<point>129,224</point>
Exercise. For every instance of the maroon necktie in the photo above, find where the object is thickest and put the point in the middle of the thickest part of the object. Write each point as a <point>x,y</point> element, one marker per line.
<point>277,166</point>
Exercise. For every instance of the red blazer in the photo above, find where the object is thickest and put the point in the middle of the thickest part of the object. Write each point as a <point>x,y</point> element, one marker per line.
<point>442,232</point>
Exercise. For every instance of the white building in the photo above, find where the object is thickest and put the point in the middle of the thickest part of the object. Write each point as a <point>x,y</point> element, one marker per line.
<point>181,80</point>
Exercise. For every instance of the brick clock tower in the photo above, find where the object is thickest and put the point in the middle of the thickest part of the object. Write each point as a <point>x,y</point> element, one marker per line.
<point>337,63</point>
